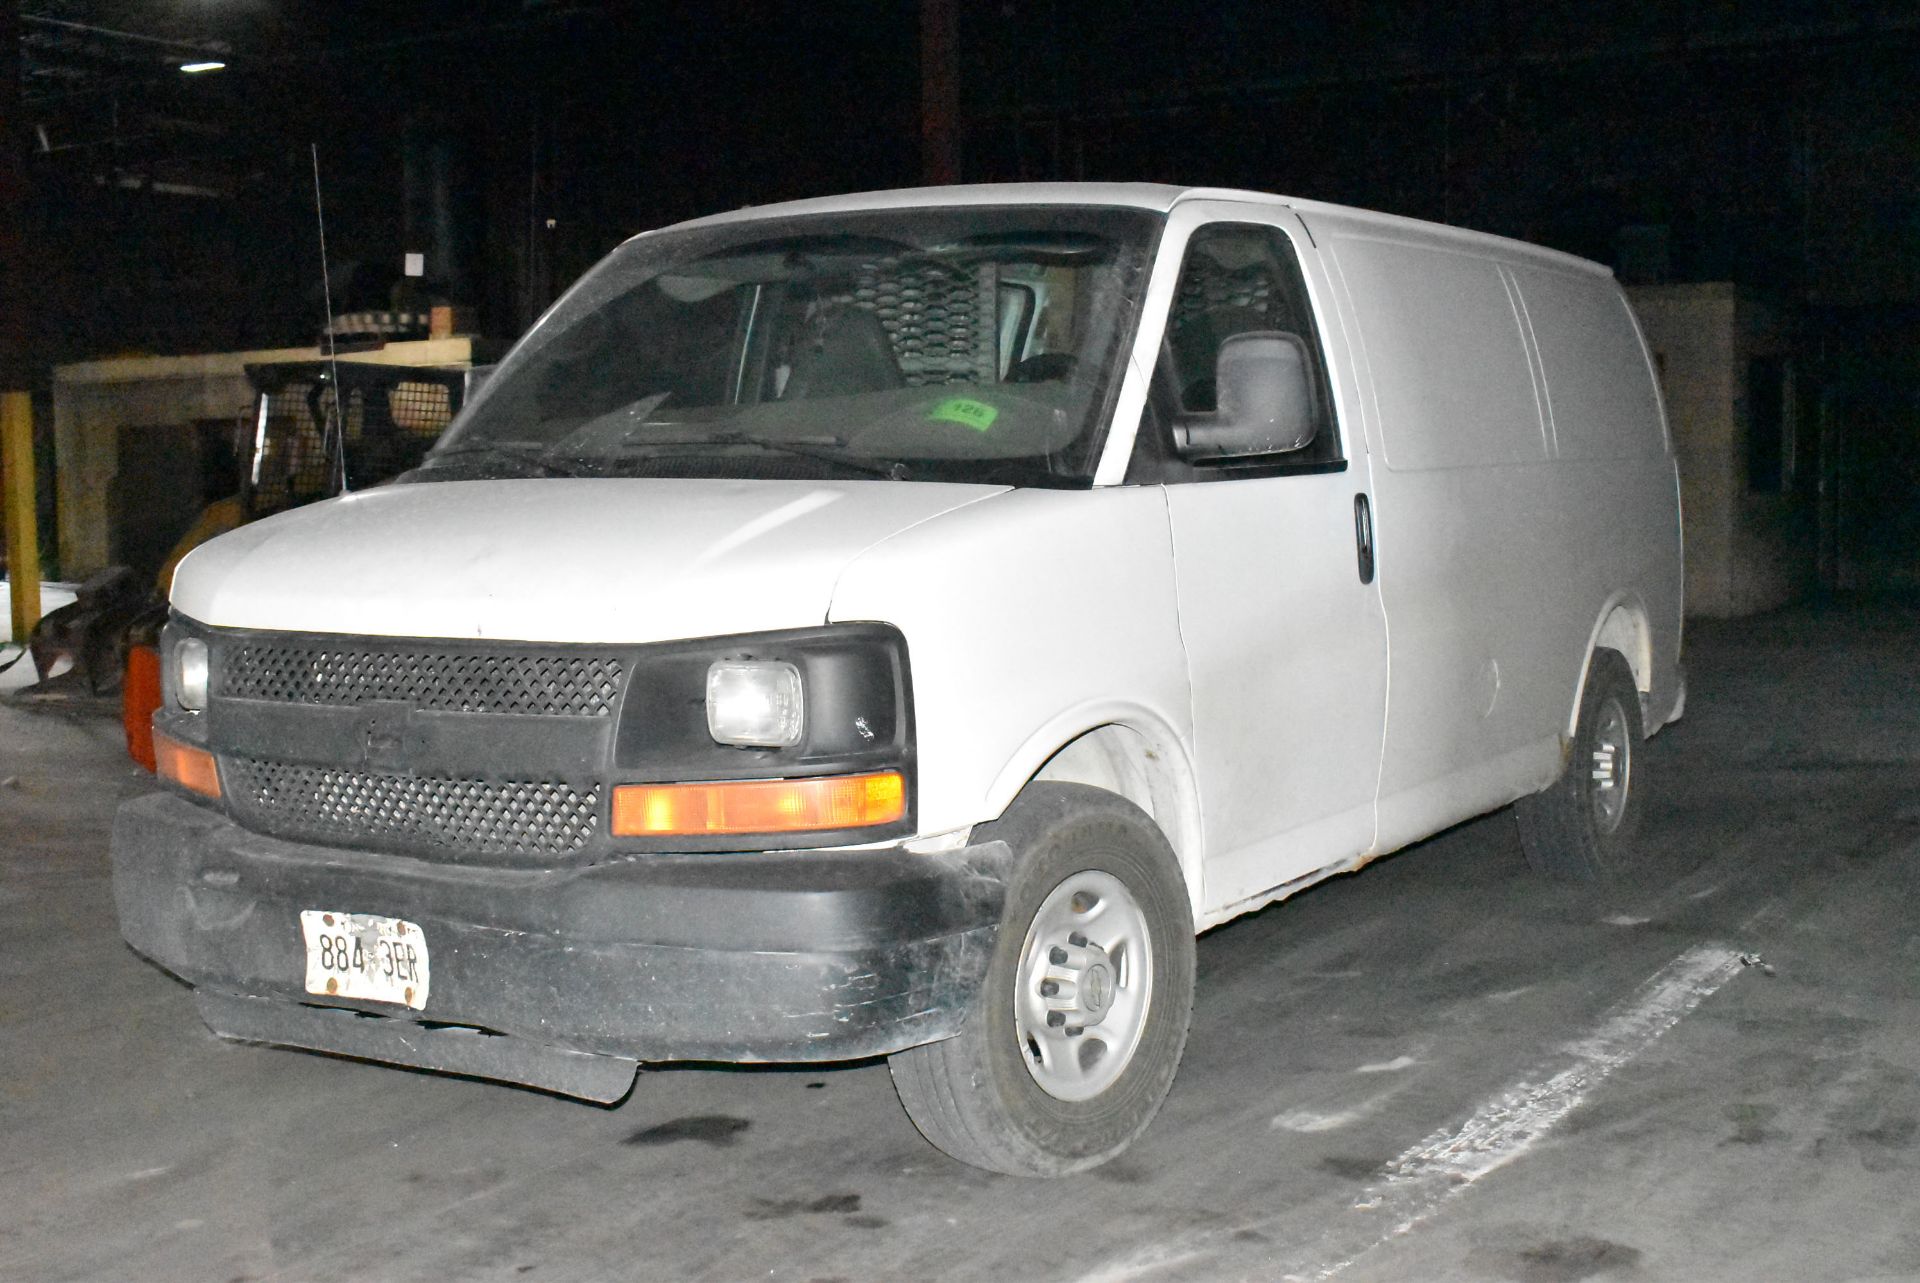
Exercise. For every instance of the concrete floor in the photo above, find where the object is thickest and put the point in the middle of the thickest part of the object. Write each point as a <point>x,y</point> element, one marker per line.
<point>1440,1068</point>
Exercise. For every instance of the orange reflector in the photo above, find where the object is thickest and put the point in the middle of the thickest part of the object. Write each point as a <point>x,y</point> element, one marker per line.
<point>189,767</point>
<point>139,697</point>
<point>758,806</point>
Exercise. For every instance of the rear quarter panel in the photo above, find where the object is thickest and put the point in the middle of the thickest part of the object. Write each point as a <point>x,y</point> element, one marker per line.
<point>1523,488</point>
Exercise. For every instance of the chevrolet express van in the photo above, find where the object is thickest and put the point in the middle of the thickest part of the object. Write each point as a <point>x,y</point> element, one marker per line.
<point>895,625</point>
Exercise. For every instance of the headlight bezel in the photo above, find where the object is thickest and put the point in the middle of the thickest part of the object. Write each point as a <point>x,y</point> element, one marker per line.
<point>858,694</point>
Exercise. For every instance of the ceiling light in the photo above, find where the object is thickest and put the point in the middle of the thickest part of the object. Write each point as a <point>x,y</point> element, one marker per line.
<point>194,68</point>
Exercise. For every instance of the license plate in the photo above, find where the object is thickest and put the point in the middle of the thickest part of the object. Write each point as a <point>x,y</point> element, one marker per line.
<point>358,955</point>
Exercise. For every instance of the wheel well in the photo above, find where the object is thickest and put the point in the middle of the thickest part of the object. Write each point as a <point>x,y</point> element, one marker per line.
<point>1122,760</point>
<point>1624,628</point>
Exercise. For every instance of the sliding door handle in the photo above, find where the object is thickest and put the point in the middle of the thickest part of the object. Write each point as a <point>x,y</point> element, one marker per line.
<point>1363,536</point>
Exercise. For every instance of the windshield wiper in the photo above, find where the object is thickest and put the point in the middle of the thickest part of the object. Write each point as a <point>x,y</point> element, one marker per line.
<point>537,457</point>
<point>825,451</point>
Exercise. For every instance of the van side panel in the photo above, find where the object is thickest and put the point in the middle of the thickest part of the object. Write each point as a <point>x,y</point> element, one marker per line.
<point>1463,519</point>
<point>1498,558</point>
<point>1601,403</point>
<point>1616,476</point>
<point>1450,363</point>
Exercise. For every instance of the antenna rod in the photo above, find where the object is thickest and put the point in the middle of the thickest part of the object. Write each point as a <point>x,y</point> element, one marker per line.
<point>336,422</point>
<point>320,219</point>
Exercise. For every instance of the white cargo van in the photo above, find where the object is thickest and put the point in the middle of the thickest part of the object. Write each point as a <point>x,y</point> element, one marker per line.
<point>894,625</point>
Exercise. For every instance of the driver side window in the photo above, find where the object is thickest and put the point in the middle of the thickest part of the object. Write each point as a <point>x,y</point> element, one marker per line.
<point>1236,279</point>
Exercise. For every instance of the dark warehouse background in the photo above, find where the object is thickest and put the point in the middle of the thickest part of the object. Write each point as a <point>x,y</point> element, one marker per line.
<point>1774,145</point>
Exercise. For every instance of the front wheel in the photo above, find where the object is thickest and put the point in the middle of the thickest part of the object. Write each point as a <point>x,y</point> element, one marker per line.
<point>1082,1018</point>
<point>1583,825</point>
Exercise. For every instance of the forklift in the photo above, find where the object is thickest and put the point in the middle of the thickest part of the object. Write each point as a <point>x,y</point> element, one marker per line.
<point>316,429</point>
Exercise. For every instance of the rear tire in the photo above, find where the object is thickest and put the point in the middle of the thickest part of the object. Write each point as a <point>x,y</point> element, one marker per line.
<point>1080,1023</point>
<point>1583,826</point>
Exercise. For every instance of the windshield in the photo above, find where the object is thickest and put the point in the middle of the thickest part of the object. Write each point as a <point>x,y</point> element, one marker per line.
<point>921,344</point>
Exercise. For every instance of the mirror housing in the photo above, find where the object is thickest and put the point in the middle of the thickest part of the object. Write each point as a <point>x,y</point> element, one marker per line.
<point>1265,398</point>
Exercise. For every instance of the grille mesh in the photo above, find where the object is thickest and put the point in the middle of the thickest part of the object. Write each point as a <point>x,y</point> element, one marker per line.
<point>526,684</point>
<point>400,812</point>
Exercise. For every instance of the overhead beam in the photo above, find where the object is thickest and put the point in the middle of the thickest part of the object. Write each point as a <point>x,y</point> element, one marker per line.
<point>110,33</point>
<point>1800,40</point>
<point>91,56</point>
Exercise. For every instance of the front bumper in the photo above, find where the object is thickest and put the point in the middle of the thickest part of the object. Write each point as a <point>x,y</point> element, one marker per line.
<point>566,979</point>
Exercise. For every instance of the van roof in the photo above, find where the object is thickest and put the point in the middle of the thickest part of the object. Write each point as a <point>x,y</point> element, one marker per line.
<point>1159,197</point>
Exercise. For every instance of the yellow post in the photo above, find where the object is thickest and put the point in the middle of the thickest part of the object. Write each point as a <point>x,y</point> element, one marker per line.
<point>23,535</point>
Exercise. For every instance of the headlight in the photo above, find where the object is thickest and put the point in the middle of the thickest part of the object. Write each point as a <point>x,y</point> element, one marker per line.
<point>792,738</point>
<point>755,703</point>
<point>190,674</point>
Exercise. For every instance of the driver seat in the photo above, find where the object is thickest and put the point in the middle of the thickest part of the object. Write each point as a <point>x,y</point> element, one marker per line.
<point>847,354</point>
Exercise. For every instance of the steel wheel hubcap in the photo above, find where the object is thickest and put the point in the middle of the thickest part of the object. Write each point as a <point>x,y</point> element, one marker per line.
<point>1612,767</point>
<point>1084,985</point>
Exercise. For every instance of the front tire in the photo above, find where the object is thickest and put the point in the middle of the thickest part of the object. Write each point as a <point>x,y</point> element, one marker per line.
<point>1080,1023</point>
<point>1582,827</point>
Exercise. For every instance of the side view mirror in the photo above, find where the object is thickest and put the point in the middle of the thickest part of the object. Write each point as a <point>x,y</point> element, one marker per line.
<point>1265,398</point>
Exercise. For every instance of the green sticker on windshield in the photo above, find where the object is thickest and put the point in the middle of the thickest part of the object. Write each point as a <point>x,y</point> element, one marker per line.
<point>966,412</point>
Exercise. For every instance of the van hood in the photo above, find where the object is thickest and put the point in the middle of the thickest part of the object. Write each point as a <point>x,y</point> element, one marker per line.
<point>576,560</point>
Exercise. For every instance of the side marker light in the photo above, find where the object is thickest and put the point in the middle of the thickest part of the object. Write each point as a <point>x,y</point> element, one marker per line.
<point>191,768</point>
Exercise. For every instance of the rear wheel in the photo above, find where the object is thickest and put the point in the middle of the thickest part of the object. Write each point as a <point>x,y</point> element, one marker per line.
<point>1082,1018</point>
<point>1583,826</point>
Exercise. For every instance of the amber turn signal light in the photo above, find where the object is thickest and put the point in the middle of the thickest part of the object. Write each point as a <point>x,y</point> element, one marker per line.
<point>191,768</point>
<point>758,806</point>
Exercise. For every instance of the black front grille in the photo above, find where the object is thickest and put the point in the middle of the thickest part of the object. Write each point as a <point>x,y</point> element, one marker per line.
<point>406,813</point>
<point>526,683</point>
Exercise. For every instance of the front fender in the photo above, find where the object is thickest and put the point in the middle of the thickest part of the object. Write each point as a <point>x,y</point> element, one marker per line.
<point>1030,618</point>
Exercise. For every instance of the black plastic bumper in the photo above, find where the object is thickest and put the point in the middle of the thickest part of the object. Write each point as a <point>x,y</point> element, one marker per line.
<point>565,979</point>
